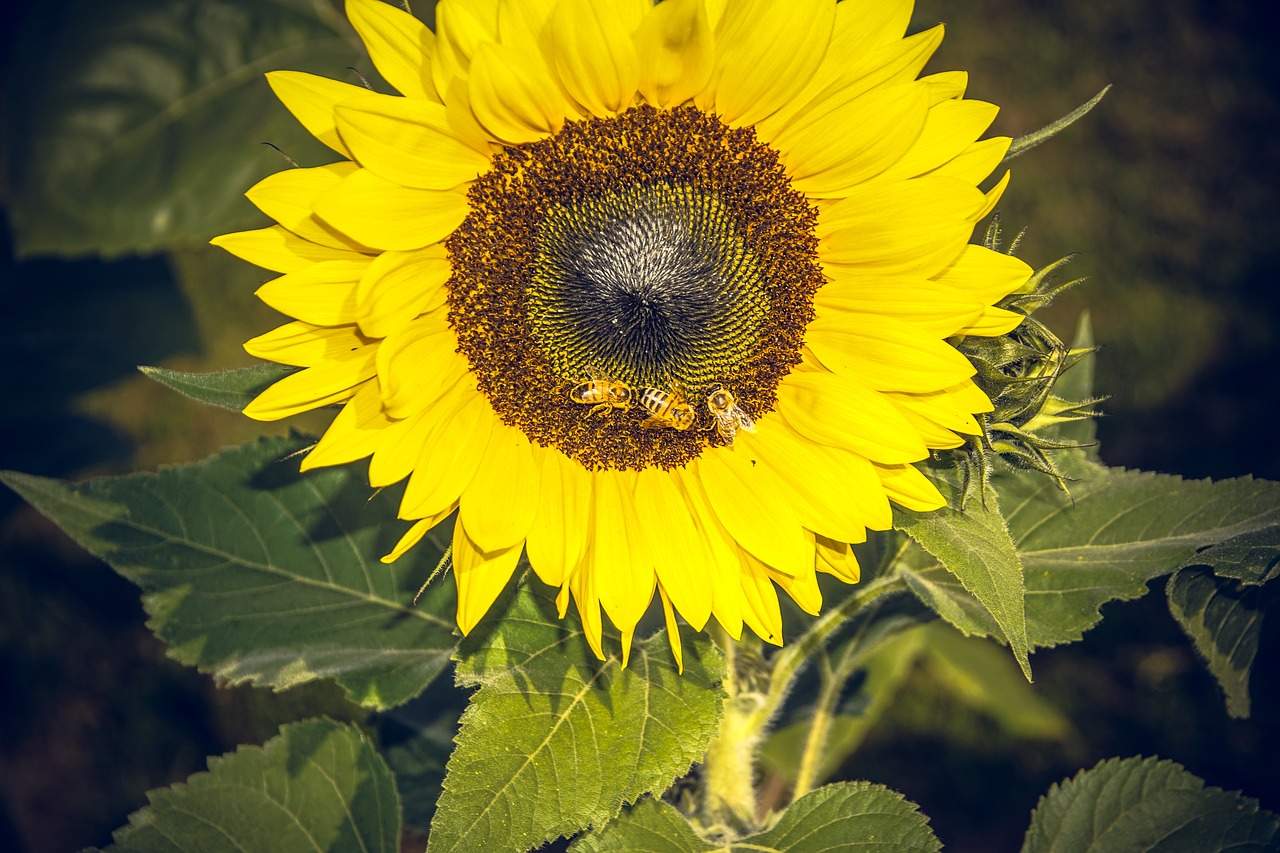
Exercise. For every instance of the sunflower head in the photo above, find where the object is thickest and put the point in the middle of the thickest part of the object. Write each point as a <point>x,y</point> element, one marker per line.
<point>658,297</point>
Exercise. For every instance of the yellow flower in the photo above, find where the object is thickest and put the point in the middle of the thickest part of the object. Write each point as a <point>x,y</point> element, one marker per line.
<point>657,295</point>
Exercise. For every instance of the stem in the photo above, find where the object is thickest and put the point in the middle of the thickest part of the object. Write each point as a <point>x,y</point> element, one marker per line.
<point>819,730</point>
<point>824,714</point>
<point>788,662</point>
<point>729,766</point>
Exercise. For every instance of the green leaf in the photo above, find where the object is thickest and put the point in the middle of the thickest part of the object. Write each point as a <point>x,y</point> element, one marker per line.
<point>980,674</point>
<point>1252,558</point>
<point>975,547</point>
<point>138,127</point>
<point>651,826</point>
<point>1223,619</point>
<point>1115,532</point>
<point>555,741</point>
<point>257,573</point>
<point>318,785</point>
<point>848,817</point>
<point>1143,805</point>
<point>227,389</point>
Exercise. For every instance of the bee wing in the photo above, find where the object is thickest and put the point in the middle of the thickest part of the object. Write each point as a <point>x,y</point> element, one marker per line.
<point>744,420</point>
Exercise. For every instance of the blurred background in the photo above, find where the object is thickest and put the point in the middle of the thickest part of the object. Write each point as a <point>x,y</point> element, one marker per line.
<point>1166,191</point>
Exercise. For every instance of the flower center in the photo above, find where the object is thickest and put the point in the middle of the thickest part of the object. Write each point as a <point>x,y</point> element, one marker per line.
<point>634,263</point>
<point>651,286</point>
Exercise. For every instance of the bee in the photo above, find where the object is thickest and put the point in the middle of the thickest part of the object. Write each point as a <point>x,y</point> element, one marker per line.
<point>729,416</point>
<point>603,395</point>
<point>667,408</point>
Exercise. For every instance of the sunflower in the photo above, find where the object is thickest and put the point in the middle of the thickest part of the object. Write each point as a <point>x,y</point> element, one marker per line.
<point>659,296</point>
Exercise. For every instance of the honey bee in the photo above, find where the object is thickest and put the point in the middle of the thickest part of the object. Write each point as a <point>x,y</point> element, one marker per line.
<point>603,395</point>
<point>667,409</point>
<point>729,416</point>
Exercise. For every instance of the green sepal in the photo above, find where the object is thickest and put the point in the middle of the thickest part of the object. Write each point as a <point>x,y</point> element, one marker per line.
<point>227,389</point>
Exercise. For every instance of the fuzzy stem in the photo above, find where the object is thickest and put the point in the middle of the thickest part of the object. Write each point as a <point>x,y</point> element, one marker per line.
<point>729,766</point>
<point>819,730</point>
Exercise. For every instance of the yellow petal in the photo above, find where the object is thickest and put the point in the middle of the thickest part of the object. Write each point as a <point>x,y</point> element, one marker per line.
<point>951,408</point>
<point>513,94</point>
<point>991,198</point>
<point>399,44</point>
<point>618,559</point>
<point>993,322</point>
<point>725,565</point>
<point>413,536</point>
<point>678,552</point>
<point>311,100</point>
<point>461,26</point>
<point>761,612</point>
<point>803,589</point>
<point>289,196</point>
<point>593,55</point>
<point>408,142</point>
<point>765,53</point>
<point>840,411</point>
<point>398,286</point>
<point>355,433</point>
<point>856,298</point>
<point>889,355</point>
<point>331,382</point>
<point>399,445</point>
<point>558,536</point>
<point>951,127</point>
<point>524,24</point>
<point>675,51</point>
<point>417,365</point>
<point>984,274</point>
<point>279,249</point>
<point>499,504</point>
<point>751,507</point>
<point>847,72</point>
<point>583,587</point>
<point>976,162</point>
<point>673,630</point>
<point>835,149</point>
<point>919,225</point>
<point>480,576</point>
<point>305,345</point>
<point>377,212</point>
<point>946,85</point>
<point>810,479</point>
<point>907,487</point>
<point>323,293</point>
<point>448,458</point>
<point>862,25</point>
<point>837,558</point>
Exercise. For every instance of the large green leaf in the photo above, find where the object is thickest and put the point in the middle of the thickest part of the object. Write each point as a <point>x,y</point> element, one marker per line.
<point>319,785</point>
<point>1223,619</point>
<point>257,573</point>
<point>1143,805</point>
<point>651,826</point>
<point>1116,531</point>
<point>847,817</point>
<point>975,547</point>
<point>138,122</point>
<point>555,741</point>
<point>227,389</point>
